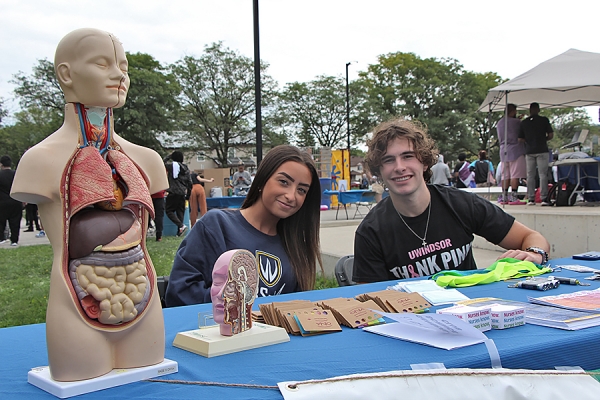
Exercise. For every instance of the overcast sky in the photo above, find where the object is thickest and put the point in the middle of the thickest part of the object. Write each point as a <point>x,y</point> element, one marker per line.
<point>301,39</point>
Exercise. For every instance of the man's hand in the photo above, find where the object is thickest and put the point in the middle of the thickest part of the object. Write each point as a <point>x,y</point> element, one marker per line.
<point>524,256</point>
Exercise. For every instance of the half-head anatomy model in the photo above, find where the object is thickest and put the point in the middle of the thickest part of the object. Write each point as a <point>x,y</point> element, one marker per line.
<point>93,191</point>
<point>234,288</point>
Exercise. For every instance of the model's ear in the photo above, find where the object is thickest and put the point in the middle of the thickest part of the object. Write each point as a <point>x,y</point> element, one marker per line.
<point>63,74</point>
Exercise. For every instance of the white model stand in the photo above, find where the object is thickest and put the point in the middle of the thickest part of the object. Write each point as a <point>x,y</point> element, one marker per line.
<point>41,378</point>
<point>209,342</point>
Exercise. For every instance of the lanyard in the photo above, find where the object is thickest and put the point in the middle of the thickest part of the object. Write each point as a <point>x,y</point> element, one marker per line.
<point>501,270</point>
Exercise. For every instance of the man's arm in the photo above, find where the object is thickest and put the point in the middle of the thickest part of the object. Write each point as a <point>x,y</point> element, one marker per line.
<point>519,238</point>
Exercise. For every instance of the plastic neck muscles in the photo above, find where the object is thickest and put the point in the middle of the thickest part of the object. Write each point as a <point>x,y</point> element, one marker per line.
<point>234,288</point>
<point>95,126</point>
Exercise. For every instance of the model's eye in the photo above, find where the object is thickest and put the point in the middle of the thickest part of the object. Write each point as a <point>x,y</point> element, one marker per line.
<point>302,191</point>
<point>283,182</point>
<point>387,160</point>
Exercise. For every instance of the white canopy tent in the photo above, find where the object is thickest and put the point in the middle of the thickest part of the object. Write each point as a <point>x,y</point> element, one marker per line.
<point>571,79</point>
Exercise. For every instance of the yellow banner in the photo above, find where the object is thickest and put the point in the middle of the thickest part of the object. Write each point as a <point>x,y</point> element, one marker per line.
<point>340,172</point>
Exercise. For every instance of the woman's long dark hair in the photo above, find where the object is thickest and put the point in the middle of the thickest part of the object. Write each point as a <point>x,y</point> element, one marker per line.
<point>299,232</point>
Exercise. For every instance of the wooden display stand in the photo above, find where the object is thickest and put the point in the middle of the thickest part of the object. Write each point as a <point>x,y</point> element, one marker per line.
<point>40,377</point>
<point>209,342</point>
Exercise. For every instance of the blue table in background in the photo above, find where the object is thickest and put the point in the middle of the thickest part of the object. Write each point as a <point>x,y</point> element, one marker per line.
<point>316,357</point>
<point>225,202</point>
<point>350,197</point>
<point>584,173</point>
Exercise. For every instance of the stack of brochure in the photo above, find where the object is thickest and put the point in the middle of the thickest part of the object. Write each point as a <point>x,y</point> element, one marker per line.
<point>430,290</point>
<point>553,317</point>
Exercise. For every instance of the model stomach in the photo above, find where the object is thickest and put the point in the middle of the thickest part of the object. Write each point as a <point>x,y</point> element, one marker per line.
<point>107,268</point>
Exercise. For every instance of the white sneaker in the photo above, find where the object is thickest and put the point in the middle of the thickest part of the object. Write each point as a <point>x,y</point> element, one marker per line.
<point>3,241</point>
<point>545,204</point>
<point>14,244</point>
<point>40,234</point>
<point>531,203</point>
<point>181,230</point>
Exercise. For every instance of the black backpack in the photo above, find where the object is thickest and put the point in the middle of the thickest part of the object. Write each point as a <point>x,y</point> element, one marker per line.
<point>561,192</point>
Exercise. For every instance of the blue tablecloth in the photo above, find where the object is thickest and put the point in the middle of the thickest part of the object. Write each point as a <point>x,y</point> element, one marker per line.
<point>586,170</point>
<point>225,202</point>
<point>350,197</point>
<point>347,197</point>
<point>321,356</point>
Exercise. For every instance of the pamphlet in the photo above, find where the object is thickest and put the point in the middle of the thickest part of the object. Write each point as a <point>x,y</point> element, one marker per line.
<point>552,317</point>
<point>584,300</point>
<point>431,291</point>
<point>437,330</point>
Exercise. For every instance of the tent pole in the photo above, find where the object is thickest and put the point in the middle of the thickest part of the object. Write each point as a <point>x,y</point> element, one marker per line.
<point>505,142</point>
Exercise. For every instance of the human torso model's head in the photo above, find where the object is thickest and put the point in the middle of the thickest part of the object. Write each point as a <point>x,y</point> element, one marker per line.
<point>234,288</point>
<point>91,68</point>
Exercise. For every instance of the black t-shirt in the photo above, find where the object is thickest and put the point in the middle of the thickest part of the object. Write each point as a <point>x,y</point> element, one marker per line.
<point>481,171</point>
<point>384,249</point>
<point>534,130</point>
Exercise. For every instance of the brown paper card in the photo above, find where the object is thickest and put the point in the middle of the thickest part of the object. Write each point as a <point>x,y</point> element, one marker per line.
<point>317,321</point>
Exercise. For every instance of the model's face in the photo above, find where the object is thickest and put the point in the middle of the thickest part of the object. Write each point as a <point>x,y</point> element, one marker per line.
<point>220,277</point>
<point>401,170</point>
<point>99,74</point>
<point>285,191</point>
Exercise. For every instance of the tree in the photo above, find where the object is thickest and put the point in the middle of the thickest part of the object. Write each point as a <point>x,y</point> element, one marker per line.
<point>316,111</point>
<point>3,111</point>
<point>436,92</point>
<point>218,100</point>
<point>32,126</point>
<point>151,104</point>
<point>565,122</point>
<point>41,89</point>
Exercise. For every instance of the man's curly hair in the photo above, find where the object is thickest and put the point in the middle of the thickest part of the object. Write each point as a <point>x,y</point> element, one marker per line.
<point>416,133</point>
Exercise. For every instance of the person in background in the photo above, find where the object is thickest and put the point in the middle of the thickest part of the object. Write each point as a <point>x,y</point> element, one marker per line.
<point>278,222</point>
<point>462,173</point>
<point>512,155</point>
<point>364,183</point>
<point>421,229</point>
<point>535,131</point>
<point>484,170</point>
<point>11,210</point>
<point>180,186</point>
<point>241,180</point>
<point>158,201</point>
<point>31,217</point>
<point>198,198</point>
<point>377,187</point>
<point>483,173</point>
<point>440,172</point>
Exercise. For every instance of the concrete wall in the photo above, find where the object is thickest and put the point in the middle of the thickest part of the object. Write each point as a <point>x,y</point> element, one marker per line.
<point>570,230</point>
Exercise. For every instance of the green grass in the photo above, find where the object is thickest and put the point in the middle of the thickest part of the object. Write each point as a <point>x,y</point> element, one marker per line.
<point>25,272</point>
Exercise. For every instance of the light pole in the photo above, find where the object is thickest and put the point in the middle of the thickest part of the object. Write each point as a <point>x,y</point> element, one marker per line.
<point>257,95</point>
<point>348,109</point>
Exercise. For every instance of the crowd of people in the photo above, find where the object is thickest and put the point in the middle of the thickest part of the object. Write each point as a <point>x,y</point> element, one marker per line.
<point>524,161</point>
<point>413,232</point>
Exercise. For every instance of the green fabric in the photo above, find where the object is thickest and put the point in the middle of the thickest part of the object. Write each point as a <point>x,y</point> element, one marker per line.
<point>594,374</point>
<point>501,270</point>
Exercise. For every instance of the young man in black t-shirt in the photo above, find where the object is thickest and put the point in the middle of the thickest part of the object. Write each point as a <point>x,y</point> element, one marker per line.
<point>535,131</point>
<point>421,229</point>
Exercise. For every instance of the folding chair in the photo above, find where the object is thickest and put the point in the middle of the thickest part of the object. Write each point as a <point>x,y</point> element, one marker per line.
<point>162,282</point>
<point>367,200</point>
<point>343,271</point>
